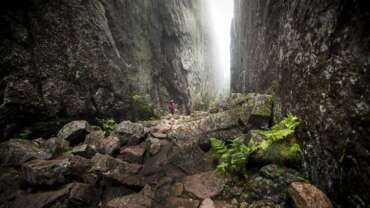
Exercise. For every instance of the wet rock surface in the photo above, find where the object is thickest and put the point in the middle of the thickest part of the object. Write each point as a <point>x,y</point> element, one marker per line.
<point>53,72</point>
<point>314,56</point>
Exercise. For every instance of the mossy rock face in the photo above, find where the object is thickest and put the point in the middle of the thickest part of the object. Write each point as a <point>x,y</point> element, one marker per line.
<point>282,153</point>
<point>286,152</point>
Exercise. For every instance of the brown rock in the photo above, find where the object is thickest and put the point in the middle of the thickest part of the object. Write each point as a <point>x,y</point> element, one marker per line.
<point>155,164</point>
<point>115,169</point>
<point>139,200</point>
<point>46,172</point>
<point>18,151</point>
<point>105,145</point>
<point>132,154</point>
<point>84,150</point>
<point>94,136</point>
<point>76,193</point>
<point>42,199</point>
<point>54,172</point>
<point>305,195</point>
<point>204,185</point>
<point>129,133</point>
<point>84,194</point>
<point>109,145</point>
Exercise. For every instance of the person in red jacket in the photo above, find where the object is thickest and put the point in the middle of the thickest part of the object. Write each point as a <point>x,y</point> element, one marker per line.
<point>170,106</point>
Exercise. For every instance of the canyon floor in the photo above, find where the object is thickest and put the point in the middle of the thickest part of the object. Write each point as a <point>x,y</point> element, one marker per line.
<point>161,163</point>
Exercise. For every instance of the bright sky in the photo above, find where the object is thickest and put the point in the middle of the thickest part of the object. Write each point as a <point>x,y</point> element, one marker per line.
<point>221,12</point>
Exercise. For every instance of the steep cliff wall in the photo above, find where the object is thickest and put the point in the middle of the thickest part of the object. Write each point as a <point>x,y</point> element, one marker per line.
<point>314,55</point>
<point>87,58</point>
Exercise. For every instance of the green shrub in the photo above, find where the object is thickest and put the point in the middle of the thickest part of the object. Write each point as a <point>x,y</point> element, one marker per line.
<point>24,134</point>
<point>107,124</point>
<point>233,157</point>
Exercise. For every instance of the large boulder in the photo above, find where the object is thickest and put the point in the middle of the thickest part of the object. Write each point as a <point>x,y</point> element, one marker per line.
<point>115,169</point>
<point>173,159</point>
<point>204,185</point>
<point>84,150</point>
<point>94,137</point>
<point>305,195</point>
<point>41,199</point>
<point>83,194</point>
<point>109,145</point>
<point>132,154</point>
<point>143,199</point>
<point>129,133</point>
<point>256,109</point>
<point>71,195</point>
<point>155,164</point>
<point>96,141</point>
<point>74,132</point>
<point>54,172</point>
<point>252,111</point>
<point>18,151</point>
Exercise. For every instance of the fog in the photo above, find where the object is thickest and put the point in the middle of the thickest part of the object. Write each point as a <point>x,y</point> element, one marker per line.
<point>219,17</point>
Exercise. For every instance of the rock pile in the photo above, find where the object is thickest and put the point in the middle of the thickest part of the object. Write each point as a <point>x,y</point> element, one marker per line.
<point>164,163</point>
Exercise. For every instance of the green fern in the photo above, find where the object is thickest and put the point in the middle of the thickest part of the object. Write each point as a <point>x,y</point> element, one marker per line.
<point>233,157</point>
<point>279,131</point>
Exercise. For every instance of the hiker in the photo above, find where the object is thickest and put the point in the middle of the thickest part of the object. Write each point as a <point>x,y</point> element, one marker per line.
<point>170,106</point>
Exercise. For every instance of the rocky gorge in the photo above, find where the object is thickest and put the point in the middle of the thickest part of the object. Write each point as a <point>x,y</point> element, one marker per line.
<point>84,86</point>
